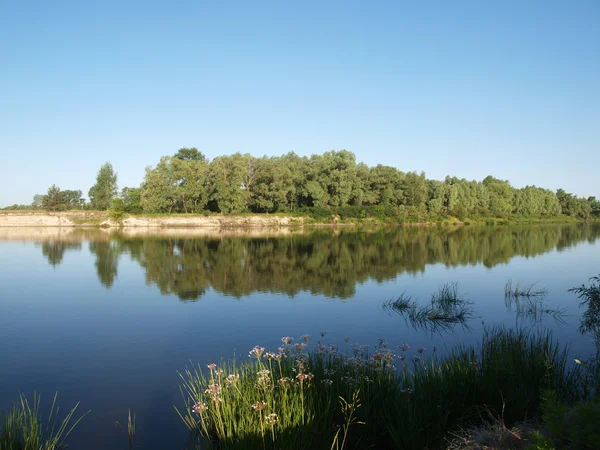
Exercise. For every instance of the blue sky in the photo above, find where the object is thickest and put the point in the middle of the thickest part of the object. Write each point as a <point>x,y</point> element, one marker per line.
<point>510,89</point>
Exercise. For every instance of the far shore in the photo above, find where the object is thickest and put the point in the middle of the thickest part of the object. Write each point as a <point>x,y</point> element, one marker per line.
<point>153,223</point>
<point>102,219</point>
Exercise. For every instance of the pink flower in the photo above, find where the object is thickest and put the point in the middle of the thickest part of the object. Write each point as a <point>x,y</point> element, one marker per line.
<point>199,408</point>
<point>256,352</point>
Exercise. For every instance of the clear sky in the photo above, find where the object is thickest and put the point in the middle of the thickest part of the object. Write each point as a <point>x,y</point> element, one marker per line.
<point>507,88</point>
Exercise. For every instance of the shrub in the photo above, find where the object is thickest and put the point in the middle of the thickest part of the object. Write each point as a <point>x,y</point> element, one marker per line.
<point>572,427</point>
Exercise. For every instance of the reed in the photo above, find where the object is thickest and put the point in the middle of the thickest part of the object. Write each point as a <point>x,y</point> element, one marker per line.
<point>446,309</point>
<point>523,290</point>
<point>24,427</point>
<point>397,398</point>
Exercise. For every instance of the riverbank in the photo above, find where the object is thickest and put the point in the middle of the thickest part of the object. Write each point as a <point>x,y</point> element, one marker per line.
<point>107,219</point>
<point>351,398</point>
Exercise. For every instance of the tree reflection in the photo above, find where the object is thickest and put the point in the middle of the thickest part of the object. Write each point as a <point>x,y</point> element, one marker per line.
<point>107,258</point>
<point>321,262</point>
<point>55,251</point>
<point>332,264</point>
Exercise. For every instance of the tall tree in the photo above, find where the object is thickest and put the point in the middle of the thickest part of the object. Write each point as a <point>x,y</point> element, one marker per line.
<point>105,189</point>
<point>190,154</point>
<point>73,199</point>
<point>227,181</point>
<point>54,200</point>
<point>132,199</point>
<point>38,201</point>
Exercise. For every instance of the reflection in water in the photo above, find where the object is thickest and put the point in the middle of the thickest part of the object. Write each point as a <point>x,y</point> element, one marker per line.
<point>322,262</point>
<point>55,250</point>
<point>107,259</point>
<point>446,309</point>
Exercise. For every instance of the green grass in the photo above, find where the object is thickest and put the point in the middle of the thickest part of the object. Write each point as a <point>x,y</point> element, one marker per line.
<point>23,427</point>
<point>295,399</point>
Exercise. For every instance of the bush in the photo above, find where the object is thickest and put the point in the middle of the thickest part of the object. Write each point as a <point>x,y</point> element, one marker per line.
<point>571,427</point>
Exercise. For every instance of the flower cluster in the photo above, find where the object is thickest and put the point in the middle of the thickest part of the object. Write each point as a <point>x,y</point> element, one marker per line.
<point>271,420</point>
<point>256,352</point>
<point>263,380</point>
<point>232,378</point>
<point>259,406</point>
<point>199,408</point>
<point>214,391</point>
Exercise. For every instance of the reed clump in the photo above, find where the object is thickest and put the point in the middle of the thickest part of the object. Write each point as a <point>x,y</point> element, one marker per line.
<point>446,308</point>
<point>23,427</point>
<point>523,290</point>
<point>326,397</point>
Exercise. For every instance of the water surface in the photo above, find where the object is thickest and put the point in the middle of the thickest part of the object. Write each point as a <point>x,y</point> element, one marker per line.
<point>108,318</point>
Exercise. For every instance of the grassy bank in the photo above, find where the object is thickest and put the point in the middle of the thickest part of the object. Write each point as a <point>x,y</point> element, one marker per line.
<point>350,397</point>
<point>319,396</point>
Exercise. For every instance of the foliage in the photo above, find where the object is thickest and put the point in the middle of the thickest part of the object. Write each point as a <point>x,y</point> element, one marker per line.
<point>57,200</point>
<point>334,184</point>
<point>105,189</point>
<point>132,200</point>
<point>23,427</point>
<point>571,427</point>
<point>590,296</point>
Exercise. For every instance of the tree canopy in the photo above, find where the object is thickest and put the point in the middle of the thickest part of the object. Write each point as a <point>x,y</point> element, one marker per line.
<point>333,183</point>
<point>105,189</point>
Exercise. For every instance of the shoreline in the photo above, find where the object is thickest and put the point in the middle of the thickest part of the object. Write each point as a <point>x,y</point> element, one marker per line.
<point>103,219</point>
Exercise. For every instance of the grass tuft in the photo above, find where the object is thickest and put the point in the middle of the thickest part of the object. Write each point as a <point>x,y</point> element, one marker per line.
<point>446,309</point>
<point>523,290</point>
<point>24,428</point>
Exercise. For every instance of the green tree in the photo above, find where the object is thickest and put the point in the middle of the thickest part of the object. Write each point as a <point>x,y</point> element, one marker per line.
<point>190,154</point>
<point>132,199</point>
<point>73,199</point>
<point>228,180</point>
<point>501,196</point>
<point>385,185</point>
<point>54,200</point>
<point>38,201</point>
<point>595,206</point>
<point>415,189</point>
<point>105,189</point>
<point>157,194</point>
<point>273,186</point>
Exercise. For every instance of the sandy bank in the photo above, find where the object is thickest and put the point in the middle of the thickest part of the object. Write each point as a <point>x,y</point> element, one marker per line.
<point>101,219</point>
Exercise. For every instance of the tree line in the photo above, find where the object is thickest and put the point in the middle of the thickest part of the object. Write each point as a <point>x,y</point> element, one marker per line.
<point>319,185</point>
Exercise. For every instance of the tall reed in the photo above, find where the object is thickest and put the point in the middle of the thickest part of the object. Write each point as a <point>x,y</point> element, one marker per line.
<point>24,428</point>
<point>290,399</point>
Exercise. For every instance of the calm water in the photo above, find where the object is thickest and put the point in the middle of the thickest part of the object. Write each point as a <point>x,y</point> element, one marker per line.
<point>109,319</point>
